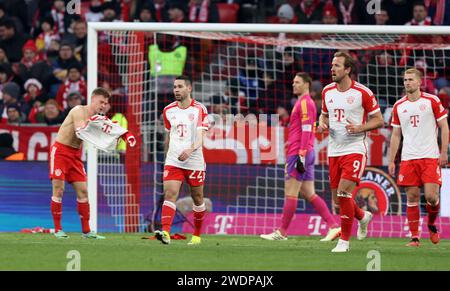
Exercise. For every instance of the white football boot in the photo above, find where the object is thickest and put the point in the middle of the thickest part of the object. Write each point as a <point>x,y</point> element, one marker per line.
<point>342,246</point>
<point>362,225</point>
<point>333,233</point>
<point>276,235</point>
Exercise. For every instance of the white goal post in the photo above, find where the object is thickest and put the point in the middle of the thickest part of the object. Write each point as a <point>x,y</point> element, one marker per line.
<point>94,28</point>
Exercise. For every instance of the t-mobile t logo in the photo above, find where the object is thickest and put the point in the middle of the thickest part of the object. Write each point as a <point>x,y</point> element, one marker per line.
<point>339,114</point>
<point>222,223</point>
<point>414,119</point>
<point>315,223</point>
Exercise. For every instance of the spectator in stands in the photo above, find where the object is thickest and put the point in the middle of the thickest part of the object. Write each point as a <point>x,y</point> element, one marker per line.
<point>111,12</point>
<point>52,113</point>
<point>329,15</point>
<point>33,91</point>
<point>79,41</point>
<point>420,15</point>
<point>95,12</point>
<point>3,57</point>
<point>10,95</point>
<point>439,11</point>
<point>73,99</point>
<point>15,115</point>
<point>309,11</point>
<point>146,14</point>
<point>30,59</point>
<point>161,10</point>
<point>400,11</point>
<point>74,83</point>
<point>60,17</point>
<point>63,62</point>
<point>44,39</point>
<point>203,11</point>
<point>18,9</point>
<point>351,11</point>
<point>177,13</point>
<point>6,74</point>
<point>381,17</point>
<point>11,40</point>
<point>7,151</point>
<point>286,14</point>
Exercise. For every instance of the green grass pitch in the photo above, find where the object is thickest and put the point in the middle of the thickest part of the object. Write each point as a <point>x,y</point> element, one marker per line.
<point>216,253</point>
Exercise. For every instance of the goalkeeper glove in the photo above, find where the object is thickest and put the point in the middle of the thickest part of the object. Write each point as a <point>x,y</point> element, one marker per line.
<point>300,163</point>
<point>129,138</point>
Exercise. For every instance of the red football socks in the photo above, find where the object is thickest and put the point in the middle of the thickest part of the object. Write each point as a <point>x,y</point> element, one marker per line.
<point>413,215</point>
<point>56,209</point>
<point>84,212</point>
<point>168,213</point>
<point>199,214</point>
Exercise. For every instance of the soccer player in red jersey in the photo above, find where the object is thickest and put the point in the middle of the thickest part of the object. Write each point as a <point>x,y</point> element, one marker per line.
<point>345,107</point>
<point>65,162</point>
<point>300,163</point>
<point>417,117</point>
<point>186,122</point>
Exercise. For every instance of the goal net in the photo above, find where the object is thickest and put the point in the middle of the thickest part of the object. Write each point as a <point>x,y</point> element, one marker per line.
<point>244,77</point>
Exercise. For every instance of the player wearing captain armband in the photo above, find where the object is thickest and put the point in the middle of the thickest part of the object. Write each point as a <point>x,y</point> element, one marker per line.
<point>417,116</point>
<point>349,110</point>
<point>185,122</point>
<point>65,157</point>
<point>300,163</point>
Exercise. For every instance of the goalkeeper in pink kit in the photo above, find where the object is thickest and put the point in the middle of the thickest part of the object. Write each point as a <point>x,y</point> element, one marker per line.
<point>65,159</point>
<point>300,163</point>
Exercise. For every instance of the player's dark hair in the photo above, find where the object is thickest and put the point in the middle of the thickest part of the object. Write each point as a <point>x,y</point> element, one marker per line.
<point>185,78</point>
<point>419,3</point>
<point>349,61</point>
<point>306,78</point>
<point>101,91</point>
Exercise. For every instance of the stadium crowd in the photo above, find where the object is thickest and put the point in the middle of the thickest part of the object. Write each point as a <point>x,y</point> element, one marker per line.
<point>43,49</point>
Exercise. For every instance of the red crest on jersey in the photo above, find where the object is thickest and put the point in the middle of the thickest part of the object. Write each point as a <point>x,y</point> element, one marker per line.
<point>423,107</point>
<point>350,99</point>
<point>191,117</point>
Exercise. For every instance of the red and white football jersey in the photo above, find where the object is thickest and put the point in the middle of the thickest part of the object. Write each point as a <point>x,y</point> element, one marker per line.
<point>182,125</point>
<point>353,106</point>
<point>418,123</point>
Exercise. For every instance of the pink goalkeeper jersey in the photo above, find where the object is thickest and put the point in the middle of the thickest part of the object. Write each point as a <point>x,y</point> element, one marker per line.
<point>301,126</point>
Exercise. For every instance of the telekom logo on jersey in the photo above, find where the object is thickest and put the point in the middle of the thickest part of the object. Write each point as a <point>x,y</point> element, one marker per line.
<point>339,114</point>
<point>414,119</point>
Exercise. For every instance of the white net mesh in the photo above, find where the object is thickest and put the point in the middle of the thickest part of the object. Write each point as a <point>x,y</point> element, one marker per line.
<point>246,74</point>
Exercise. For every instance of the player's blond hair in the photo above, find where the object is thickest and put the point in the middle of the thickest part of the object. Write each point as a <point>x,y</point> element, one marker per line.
<point>413,71</point>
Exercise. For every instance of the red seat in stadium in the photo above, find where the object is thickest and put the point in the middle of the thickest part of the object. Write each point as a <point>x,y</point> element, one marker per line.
<point>228,12</point>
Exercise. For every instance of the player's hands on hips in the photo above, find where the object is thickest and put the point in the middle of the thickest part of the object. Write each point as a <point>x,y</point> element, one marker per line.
<point>353,128</point>
<point>300,163</point>
<point>443,159</point>
<point>392,169</point>
<point>185,155</point>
